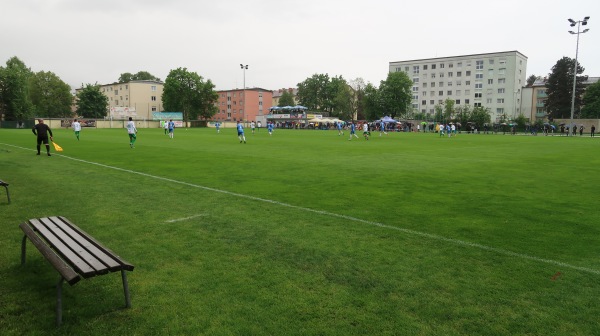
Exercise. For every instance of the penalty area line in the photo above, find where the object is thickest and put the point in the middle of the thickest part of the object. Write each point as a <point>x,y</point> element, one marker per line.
<point>350,218</point>
<point>184,218</point>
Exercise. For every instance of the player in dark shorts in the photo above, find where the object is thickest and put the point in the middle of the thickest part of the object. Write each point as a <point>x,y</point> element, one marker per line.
<point>42,130</point>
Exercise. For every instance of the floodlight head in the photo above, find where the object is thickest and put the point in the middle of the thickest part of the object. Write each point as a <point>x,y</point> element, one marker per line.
<point>583,23</point>
<point>585,30</point>
<point>586,18</point>
<point>572,32</point>
<point>241,65</point>
<point>571,20</point>
<point>573,24</point>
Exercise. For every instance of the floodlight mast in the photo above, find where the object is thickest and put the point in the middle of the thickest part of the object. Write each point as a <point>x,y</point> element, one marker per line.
<point>578,24</point>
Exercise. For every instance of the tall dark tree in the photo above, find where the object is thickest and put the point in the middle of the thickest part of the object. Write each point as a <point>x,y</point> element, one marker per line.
<point>187,92</point>
<point>560,88</point>
<point>50,96</point>
<point>343,102</point>
<point>591,102</point>
<point>15,102</point>
<point>480,115</point>
<point>395,94</point>
<point>286,99</point>
<point>91,103</point>
<point>531,79</point>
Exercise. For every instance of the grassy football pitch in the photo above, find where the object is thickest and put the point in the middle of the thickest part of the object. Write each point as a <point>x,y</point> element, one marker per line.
<point>307,233</point>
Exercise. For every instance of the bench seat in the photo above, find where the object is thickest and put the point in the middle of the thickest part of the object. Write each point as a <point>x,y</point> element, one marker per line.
<point>74,254</point>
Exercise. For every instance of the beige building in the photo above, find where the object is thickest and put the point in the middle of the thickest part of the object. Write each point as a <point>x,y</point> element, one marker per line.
<point>137,99</point>
<point>492,80</point>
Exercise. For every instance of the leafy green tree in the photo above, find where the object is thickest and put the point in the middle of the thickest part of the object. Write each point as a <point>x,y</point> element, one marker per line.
<point>371,104</point>
<point>187,92</point>
<point>439,113</point>
<point>91,103</point>
<point>51,97</point>
<point>560,88</point>
<point>140,75</point>
<point>332,94</point>
<point>395,94</point>
<point>480,115</point>
<point>463,114</point>
<point>344,103</point>
<point>591,102</point>
<point>286,99</point>
<point>449,109</point>
<point>521,121</point>
<point>312,92</point>
<point>15,102</point>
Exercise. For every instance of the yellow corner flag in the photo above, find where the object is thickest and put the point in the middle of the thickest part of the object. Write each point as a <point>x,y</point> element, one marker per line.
<point>57,147</point>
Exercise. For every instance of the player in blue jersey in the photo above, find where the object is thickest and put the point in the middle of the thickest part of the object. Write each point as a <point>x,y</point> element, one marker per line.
<point>270,128</point>
<point>171,128</point>
<point>382,128</point>
<point>339,128</point>
<point>218,127</point>
<point>240,131</point>
<point>352,131</point>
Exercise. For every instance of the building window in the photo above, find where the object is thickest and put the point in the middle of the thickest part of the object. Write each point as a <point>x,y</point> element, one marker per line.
<point>432,84</point>
<point>415,70</point>
<point>490,81</point>
<point>467,92</point>
<point>477,104</point>
<point>501,71</point>
<point>459,74</point>
<point>425,67</point>
<point>416,80</point>
<point>441,93</point>
<point>153,88</point>
<point>441,84</point>
<point>459,64</point>
<point>433,67</point>
<point>501,80</point>
<point>126,86</point>
<point>424,93</point>
<point>500,101</point>
<point>441,65</point>
<point>441,75</point>
<point>500,110</point>
<point>451,65</point>
<point>466,101</point>
<point>458,92</point>
<point>424,85</point>
<point>450,74</point>
<point>431,102</point>
<point>153,108</point>
<point>467,82</point>
<point>116,92</point>
<point>153,98</point>
<point>449,92</point>
<point>478,65</point>
<point>501,90</point>
<point>458,82</point>
<point>468,73</point>
<point>432,93</point>
<point>423,102</point>
<point>458,102</point>
<point>479,76</point>
<point>477,94</point>
<point>449,83</point>
<point>479,85</point>
<point>489,100</point>
<point>432,75</point>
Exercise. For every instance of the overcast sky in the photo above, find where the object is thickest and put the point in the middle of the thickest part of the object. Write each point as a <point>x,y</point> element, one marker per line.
<point>284,42</point>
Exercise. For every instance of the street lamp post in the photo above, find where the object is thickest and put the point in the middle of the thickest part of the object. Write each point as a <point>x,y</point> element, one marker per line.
<point>244,68</point>
<point>574,23</point>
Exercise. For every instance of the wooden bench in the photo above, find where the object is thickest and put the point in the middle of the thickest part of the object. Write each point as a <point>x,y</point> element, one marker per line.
<point>73,253</point>
<point>5,185</point>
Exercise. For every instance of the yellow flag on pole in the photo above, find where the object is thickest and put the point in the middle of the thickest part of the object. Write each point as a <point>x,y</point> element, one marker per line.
<point>57,147</point>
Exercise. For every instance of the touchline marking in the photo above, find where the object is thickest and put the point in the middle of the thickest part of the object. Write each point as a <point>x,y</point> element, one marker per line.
<point>184,218</point>
<point>354,219</point>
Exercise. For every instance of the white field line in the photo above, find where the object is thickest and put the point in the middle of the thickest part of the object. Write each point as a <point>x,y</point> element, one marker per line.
<point>184,218</point>
<point>350,218</point>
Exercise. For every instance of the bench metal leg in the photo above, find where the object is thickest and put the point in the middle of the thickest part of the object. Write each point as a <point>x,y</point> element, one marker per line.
<point>23,247</point>
<point>126,289</point>
<point>59,302</point>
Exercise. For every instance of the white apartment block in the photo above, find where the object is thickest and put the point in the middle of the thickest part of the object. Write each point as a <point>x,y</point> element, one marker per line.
<point>492,80</point>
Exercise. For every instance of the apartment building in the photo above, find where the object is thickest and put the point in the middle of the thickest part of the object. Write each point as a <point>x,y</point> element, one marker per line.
<point>491,80</point>
<point>137,99</point>
<point>247,105</point>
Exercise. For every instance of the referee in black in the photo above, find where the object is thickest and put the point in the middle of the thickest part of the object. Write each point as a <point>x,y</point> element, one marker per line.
<point>42,130</point>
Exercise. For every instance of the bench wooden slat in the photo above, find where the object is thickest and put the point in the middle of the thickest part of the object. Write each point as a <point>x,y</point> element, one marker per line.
<point>124,265</point>
<point>94,257</point>
<point>80,265</point>
<point>66,272</point>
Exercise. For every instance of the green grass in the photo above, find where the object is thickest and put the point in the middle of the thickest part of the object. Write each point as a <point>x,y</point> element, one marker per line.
<point>307,233</point>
